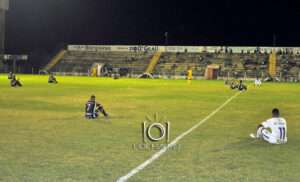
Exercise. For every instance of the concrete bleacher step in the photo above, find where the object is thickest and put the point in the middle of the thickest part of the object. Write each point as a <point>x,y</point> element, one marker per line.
<point>79,61</point>
<point>153,62</point>
<point>139,62</point>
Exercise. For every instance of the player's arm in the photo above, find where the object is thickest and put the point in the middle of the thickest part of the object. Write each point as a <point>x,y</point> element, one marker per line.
<point>260,126</point>
<point>266,124</point>
<point>98,104</point>
<point>99,107</point>
<point>86,107</point>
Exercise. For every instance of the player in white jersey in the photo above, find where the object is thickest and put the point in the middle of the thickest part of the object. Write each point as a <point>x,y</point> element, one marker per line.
<point>257,82</point>
<point>273,130</point>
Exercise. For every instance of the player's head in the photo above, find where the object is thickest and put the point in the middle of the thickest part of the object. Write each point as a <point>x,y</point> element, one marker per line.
<point>275,113</point>
<point>93,98</point>
<point>241,81</point>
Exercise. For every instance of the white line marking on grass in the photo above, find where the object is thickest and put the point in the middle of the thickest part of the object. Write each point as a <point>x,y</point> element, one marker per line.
<point>173,143</point>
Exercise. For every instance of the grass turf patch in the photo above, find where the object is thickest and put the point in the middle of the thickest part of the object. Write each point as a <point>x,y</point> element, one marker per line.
<point>44,136</point>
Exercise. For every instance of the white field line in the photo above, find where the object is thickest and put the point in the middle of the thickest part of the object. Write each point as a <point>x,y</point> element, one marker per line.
<point>173,143</point>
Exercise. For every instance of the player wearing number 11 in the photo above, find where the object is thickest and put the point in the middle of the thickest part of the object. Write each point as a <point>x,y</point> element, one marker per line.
<point>273,130</point>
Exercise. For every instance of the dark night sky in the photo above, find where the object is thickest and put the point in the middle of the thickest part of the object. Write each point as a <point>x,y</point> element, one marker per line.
<point>44,24</point>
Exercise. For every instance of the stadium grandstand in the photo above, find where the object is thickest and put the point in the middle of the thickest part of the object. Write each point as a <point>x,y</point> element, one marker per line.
<point>173,61</point>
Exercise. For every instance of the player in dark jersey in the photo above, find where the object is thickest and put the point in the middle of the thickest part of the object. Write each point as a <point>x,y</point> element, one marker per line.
<point>52,79</point>
<point>92,108</point>
<point>14,82</point>
<point>241,86</point>
<point>238,85</point>
<point>233,85</point>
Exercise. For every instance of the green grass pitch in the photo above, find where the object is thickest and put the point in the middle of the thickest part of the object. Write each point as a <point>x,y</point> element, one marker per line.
<point>44,136</point>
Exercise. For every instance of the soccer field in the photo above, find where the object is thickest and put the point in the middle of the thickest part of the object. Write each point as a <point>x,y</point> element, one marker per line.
<point>44,136</point>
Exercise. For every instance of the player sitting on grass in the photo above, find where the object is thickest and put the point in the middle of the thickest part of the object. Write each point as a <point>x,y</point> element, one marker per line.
<point>92,108</point>
<point>240,86</point>
<point>273,130</point>
<point>233,85</point>
<point>52,79</point>
<point>14,82</point>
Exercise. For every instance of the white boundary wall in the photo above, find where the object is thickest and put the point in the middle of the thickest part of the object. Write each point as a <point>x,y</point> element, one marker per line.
<point>180,49</point>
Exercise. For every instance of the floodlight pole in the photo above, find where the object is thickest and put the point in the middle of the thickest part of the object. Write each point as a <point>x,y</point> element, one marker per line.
<point>2,30</point>
<point>166,38</point>
<point>4,4</point>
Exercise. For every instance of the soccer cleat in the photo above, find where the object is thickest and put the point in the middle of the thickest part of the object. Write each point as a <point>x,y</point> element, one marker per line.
<point>253,136</point>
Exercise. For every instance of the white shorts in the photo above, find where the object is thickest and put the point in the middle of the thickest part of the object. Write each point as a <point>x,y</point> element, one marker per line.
<point>267,136</point>
<point>257,83</point>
